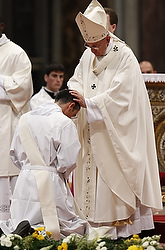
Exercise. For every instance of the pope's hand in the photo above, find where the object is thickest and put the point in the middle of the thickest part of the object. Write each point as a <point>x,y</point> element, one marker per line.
<point>79,98</point>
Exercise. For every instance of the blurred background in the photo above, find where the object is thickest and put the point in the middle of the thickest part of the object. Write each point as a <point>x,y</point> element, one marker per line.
<point>47,31</point>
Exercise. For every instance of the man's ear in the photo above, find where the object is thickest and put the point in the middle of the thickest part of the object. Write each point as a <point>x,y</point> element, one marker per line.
<point>45,77</point>
<point>113,27</point>
<point>71,105</point>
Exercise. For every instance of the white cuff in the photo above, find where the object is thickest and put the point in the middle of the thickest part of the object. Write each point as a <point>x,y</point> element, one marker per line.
<point>93,112</point>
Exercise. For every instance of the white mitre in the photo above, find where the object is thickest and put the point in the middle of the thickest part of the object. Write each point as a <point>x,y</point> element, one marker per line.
<point>93,23</point>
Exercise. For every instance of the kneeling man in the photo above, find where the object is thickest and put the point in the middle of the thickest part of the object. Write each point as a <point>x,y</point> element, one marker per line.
<point>45,148</point>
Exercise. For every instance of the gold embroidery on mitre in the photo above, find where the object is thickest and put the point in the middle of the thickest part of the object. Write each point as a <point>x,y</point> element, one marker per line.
<point>86,35</point>
<point>119,223</point>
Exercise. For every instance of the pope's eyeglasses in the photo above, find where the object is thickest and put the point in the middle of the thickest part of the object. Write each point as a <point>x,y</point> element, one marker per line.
<point>93,47</point>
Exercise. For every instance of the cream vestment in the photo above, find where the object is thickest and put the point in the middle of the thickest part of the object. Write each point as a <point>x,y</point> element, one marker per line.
<point>117,177</point>
<point>15,92</point>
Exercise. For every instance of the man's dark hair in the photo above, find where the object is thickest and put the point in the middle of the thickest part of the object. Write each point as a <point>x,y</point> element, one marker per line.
<point>54,67</point>
<point>113,15</point>
<point>64,96</point>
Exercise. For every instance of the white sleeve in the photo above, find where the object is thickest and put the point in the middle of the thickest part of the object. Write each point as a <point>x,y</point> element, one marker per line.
<point>15,148</point>
<point>93,112</point>
<point>1,81</point>
<point>68,151</point>
<point>3,94</point>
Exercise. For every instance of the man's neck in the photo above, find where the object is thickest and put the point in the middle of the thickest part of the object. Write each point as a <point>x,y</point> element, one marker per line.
<point>51,93</point>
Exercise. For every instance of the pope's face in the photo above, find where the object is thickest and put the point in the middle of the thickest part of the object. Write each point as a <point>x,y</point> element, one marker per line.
<point>99,48</point>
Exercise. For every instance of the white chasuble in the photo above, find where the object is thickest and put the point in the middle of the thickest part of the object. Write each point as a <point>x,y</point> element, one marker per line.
<point>122,145</point>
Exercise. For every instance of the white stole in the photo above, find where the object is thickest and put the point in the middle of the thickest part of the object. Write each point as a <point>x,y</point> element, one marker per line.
<point>44,185</point>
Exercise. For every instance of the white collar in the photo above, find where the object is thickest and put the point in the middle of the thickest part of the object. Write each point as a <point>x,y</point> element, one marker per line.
<point>107,50</point>
<point>109,46</point>
<point>4,39</point>
<point>49,90</point>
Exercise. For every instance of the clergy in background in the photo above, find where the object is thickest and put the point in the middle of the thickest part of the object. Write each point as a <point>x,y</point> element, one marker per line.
<point>16,89</point>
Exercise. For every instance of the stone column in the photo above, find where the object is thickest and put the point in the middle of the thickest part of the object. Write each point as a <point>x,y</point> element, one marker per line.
<point>129,23</point>
<point>56,40</point>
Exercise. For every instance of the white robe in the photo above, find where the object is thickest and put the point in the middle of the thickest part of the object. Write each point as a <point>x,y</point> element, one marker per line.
<point>57,139</point>
<point>15,70</point>
<point>117,174</point>
<point>39,98</point>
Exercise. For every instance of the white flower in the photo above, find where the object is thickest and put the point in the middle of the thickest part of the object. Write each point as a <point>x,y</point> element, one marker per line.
<point>16,247</point>
<point>101,244</point>
<point>98,240</point>
<point>70,237</point>
<point>156,237</point>
<point>17,236</point>
<point>154,243</point>
<point>150,248</point>
<point>45,248</point>
<point>10,236</point>
<point>146,239</point>
<point>2,239</point>
<point>2,242</point>
<point>145,244</point>
<point>7,242</point>
<point>66,240</point>
<point>104,248</point>
<point>43,233</point>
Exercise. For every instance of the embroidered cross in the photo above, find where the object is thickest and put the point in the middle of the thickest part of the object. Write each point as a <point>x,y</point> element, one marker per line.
<point>93,86</point>
<point>115,48</point>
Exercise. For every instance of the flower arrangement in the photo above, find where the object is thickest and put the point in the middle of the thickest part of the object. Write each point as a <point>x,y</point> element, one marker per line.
<point>41,240</point>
